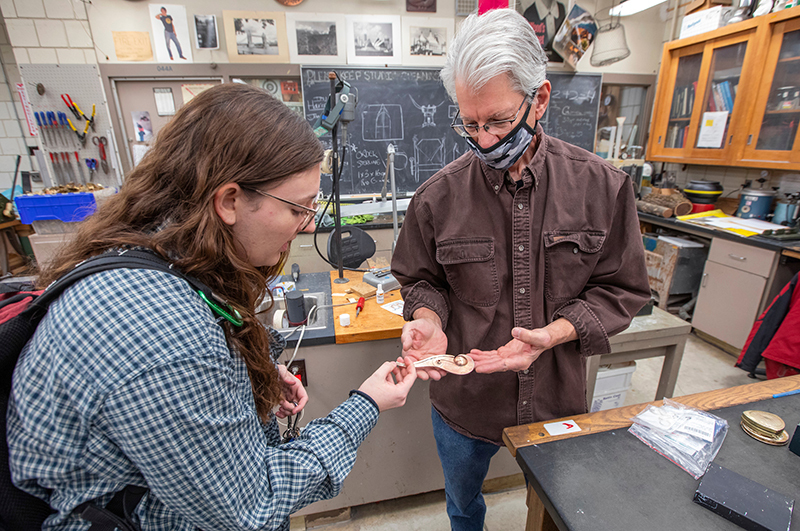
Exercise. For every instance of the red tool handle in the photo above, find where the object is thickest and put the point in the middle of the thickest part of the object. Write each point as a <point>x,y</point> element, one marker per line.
<point>359,305</point>
<point>77,159</point>
<point>102,151</point>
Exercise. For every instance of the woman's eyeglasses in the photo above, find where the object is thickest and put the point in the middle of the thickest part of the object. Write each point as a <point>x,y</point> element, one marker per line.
<point>496,127</point>
<point>307,213</point>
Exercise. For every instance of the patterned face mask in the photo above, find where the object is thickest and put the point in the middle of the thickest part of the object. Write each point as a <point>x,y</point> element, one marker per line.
<point>507,151</point>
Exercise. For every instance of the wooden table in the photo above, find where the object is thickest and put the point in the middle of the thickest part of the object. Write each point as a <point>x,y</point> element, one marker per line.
<point>649,336</point>
<point>602,477</point>
<point>372,323</point>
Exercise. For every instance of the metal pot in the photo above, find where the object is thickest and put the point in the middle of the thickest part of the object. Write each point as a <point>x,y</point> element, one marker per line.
<point>785,213</point>
<point>755,204</point>
<point>703,192</point>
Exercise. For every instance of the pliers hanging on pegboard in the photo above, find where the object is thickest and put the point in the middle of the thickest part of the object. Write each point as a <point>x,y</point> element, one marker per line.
<point>72,106</point>
<point>81,136</point>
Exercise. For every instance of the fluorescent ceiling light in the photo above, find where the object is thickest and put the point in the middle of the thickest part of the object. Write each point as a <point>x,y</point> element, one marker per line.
<point>632,7</point>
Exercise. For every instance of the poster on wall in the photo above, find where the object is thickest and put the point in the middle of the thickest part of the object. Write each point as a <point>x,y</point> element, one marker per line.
<point>545,17</point>
<point>256,37</point>
<point>142,125</point>
<point>205,32</point>
<point>132,46</point>
<point>316,38</point>
<point>425,40</point>
<point>170,33</point>
<point>373,40</point>
<point>575,36</point>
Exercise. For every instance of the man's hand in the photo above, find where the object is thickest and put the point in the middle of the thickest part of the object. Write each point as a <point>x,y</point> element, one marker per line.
<point>513,356</point>
<point>423,337</point>
<point>293,393</point>
<point>390,384</point>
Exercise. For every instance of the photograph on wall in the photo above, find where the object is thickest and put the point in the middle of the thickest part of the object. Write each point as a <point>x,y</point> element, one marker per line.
<point>142,126</point>
<point>205,31</point>
<point>255,37</point>
<point>425,40</point>
<point>545,17</point>
<point>170,33</point>
<point>421,6</point>
<point>373,39</point>
<point>575,36</point>
<point>316,38</point>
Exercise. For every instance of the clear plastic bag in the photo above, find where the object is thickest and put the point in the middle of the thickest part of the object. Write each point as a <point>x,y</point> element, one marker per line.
<point>688,437</point>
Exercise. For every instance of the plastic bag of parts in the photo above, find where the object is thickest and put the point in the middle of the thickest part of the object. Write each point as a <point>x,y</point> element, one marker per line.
<point>688,437</point>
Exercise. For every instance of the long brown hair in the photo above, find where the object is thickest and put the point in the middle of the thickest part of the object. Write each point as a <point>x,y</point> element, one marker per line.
<point>231,133</point>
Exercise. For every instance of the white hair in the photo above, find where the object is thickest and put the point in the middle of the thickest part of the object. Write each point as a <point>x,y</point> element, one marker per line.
<point>498,42</point>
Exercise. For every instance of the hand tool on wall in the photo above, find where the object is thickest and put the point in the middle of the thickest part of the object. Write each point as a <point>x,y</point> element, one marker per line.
<point>65,159</point>
<point>72,107</point>
<point>56,169</point>
<point>62,123</point>
<point>41,128</point>
<point>91,118</point>
<point>81,136</point>
<point>53,123</point>
<point>92,165</point>
<point>78,160</point>
<point>359,305</point>
<point>101,142</point>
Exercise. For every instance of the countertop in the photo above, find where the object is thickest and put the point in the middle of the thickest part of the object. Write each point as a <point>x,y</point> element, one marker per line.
<point>755,241</point>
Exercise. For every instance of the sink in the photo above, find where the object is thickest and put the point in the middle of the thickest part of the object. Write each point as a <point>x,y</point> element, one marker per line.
<point>317,321</point>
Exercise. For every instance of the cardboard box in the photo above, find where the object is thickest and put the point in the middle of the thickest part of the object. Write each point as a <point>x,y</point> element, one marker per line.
<point>705,20</point>
<point>45,246</point>
<point>612,384</point>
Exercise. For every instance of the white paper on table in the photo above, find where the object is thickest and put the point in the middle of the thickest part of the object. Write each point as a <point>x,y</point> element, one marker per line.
<point>396,307</point>
<point>712,129</point>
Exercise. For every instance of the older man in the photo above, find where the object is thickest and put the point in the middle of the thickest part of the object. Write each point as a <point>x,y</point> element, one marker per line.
<point>524,252</point>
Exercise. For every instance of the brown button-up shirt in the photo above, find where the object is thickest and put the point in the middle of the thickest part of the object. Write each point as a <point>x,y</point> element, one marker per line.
<point>487,255</point>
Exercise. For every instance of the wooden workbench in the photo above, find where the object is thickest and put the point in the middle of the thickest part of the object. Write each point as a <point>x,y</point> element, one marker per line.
<point>602,477</point>
<point>372,323</point>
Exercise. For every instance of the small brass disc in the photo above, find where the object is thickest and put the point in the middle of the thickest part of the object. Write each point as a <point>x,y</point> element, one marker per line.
<point>763,421</point>
<point>777,440</point>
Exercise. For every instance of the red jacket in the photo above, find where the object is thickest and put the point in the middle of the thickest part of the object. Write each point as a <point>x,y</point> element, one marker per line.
<point>775,336</point>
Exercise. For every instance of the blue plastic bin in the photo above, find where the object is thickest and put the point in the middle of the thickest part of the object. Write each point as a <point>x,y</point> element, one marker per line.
<point>65,207</point>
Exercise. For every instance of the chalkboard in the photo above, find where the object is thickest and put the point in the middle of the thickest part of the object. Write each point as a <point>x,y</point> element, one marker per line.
<point>409,107</point>
<point>574,105</point>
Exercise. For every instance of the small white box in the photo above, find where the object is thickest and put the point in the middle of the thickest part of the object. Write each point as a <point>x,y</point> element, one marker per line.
<point>705,20</point>
<point>613,382</point>
<point>608,401</point>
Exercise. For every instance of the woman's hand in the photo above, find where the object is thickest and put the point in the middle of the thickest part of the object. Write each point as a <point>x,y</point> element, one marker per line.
<point>293,394</point>
<point>389,385</point>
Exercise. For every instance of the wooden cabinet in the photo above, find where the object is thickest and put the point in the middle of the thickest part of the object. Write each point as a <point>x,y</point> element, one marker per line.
<point>732,290</point>
<point>726,97</point>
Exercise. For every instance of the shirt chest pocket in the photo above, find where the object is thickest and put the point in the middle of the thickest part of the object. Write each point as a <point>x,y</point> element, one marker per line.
<point>469,264</point>
<point>570,259</point>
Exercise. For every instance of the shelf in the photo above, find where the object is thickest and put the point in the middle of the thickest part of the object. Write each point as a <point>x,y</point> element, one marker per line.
<point>687,119</point>
<point>787,111</point>
<point>789,60</point>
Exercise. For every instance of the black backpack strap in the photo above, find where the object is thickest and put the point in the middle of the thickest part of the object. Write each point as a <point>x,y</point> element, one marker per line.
<point>118,514</point>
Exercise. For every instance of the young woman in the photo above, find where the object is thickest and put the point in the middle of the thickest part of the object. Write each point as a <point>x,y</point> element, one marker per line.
<point>131,379</point>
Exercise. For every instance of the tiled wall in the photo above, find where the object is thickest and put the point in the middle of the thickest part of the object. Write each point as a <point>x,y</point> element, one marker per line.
<point>38,32</point>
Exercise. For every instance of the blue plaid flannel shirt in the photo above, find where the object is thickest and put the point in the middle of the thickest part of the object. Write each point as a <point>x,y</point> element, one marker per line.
<point>129,380</point>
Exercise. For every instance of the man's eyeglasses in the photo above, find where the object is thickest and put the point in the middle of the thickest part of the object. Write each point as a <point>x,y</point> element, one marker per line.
<point>496,127</point>
<point>307,213</point>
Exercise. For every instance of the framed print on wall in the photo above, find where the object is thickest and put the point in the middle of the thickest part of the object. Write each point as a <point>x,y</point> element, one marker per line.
<point>256,36</point>
<point>373,40</point>
<point>316,38</point>
<point>425,40</point>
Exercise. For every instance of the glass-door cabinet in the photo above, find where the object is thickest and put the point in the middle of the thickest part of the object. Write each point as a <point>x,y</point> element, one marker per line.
<point>701,77</point>
<point>773,134</point>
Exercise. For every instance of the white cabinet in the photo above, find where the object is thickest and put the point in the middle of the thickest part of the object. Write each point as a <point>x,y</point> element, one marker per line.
<point>732,290</point>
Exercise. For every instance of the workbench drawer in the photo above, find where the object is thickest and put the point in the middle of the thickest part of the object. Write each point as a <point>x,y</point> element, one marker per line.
<point>743,257</point>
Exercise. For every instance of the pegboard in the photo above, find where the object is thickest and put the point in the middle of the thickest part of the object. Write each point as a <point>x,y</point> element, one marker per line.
<point>82,83</point>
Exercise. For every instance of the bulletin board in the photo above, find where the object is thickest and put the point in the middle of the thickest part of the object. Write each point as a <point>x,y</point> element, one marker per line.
<point>82,83</point>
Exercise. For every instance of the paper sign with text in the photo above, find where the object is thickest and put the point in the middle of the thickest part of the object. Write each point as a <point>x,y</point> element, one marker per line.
<point>560,428</point>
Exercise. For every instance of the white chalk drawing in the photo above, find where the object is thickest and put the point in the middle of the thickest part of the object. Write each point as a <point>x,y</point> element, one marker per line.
<point>429,157</point>
<point>428,112</point>
<point>451,111</point>
<point>317,103</point>
<point>382,122</point>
